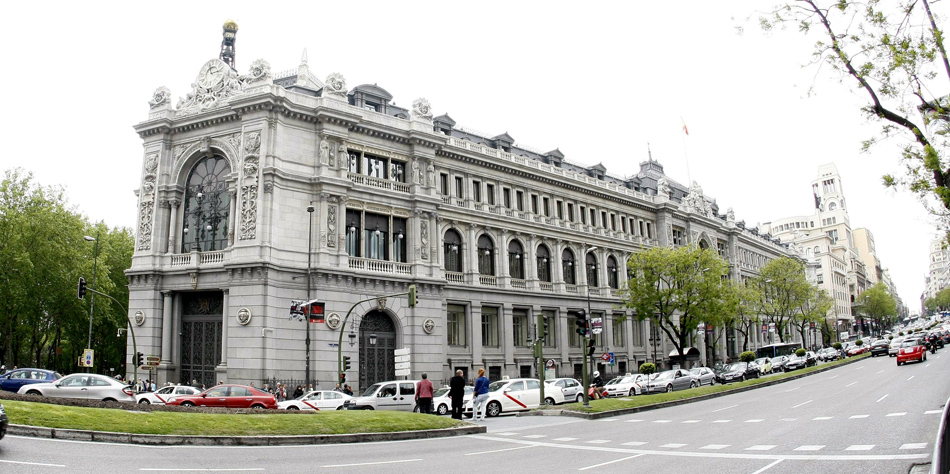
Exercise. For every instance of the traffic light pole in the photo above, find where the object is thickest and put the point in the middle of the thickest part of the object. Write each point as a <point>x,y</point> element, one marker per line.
<point>339,345</point>
<point>538,352</point>
<point>135,367</point>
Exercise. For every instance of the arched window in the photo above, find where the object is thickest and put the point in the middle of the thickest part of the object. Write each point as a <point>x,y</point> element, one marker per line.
<point>515,260</point>
<point>591,265</point>
<point>832,206</point>
<point>612,280</point>
<point>205,218</point>
<point>452,251</point>
<point>703,244</point>
<point>544,264</point>
<point>486,261</point>
<point>567,264</point>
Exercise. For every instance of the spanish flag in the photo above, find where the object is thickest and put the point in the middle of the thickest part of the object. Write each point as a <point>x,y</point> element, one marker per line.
<point>685,130</point>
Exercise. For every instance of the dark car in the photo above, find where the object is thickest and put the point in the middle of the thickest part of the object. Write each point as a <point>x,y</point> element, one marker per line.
<point>880,347</point>
<point>227,396</point>
<point>738,372</point>
<point>796,362</point>
<point>810,358</point>
<point>3,422</point>
<point>14,379</point>
<point>778,363</point>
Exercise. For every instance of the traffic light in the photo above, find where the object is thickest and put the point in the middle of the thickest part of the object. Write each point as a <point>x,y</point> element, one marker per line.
<point>82,287</point>
<point>581,322</point>
<point>346,362</point>
<point>139,359</point>
<point>590,348</point>
<point>342,378</point>
<point>412,296</point>
<point>545,329</point>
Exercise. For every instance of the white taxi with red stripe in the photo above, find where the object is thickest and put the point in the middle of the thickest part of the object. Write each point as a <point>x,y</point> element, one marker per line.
<point>316,400</point>
<point>164,394</point>
<point>505,396</point>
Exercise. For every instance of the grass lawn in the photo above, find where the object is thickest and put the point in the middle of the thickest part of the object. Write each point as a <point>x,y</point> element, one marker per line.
<point>170,423</point>
<point>608,404</point>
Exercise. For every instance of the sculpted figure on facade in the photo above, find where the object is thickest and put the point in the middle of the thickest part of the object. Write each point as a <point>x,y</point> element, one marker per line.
<point>252,143</point>
<point>342,155</point>
<point>424,233</point>
<point>160,97</point>
<point>250,168</point>
<point>416,174</point>
<point>421,109</point>
<point>324,152</point>
<point>151,163</point>
<point>259,71</point>
<point>331,225</point>
<point>730,215</point>
<point>430,174</point>
<point>215,83</point>
<point>335,86</point>
<point>663,188</point>
<point>695,201</point>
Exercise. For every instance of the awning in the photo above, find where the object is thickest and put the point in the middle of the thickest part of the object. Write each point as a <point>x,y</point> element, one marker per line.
<point>689,353</point>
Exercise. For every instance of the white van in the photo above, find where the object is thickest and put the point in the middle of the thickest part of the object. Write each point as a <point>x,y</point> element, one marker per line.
<point>394,395</point>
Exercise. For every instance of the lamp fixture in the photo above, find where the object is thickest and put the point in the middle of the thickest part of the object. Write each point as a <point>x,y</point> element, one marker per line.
<point>352,337</point>
<point>517,256</point>
<point>377,231</point>
<point>487,252</point>
<point>372,339</point>
<point>352,228</point>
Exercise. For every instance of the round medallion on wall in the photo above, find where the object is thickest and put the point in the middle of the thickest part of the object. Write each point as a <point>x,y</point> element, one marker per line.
<point>428,326</point>
<point>333,321</point>
<point>139,318</point>
<point>243,316</point>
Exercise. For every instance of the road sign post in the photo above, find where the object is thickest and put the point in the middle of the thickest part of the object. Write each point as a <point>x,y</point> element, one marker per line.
<point>403,362</point>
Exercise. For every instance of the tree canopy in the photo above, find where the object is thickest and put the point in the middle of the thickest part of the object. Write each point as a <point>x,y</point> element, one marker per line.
<point>783,292</point>
<point>878,305</point>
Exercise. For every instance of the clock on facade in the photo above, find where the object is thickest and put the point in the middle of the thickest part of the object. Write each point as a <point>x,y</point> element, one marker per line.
<point>212,73</point>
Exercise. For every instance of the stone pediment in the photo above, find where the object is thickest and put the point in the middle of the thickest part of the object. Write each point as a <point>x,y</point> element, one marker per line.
<point>374,91</point>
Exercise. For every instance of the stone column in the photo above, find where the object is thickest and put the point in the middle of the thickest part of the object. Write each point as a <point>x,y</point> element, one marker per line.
<point>172,225</point>
<point>504,269</point>
<point>166,327</point>
<point>232,218</point>
<point>529,262</point>
<point>475,329</point>
<point>508,340</point>
<point>470,263</point>
<point>224,329</point>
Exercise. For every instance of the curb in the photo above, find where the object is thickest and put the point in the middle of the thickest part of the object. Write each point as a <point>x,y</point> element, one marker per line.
<point>183,440</point>
<point>673,403</point>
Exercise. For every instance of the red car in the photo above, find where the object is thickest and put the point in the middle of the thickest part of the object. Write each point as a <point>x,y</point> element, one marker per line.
<point>857,350</point>
<point>227,396</point>
<point>911,349</point>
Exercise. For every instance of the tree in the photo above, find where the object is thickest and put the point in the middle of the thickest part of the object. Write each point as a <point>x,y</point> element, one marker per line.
<point>677,289</point>
<point>894,53</point>
<point>739,309</point>
<point>783,290</point>
<point>747,356</point>
<point>647,368</point>
<point>812,310</point>
<point>878,305</point>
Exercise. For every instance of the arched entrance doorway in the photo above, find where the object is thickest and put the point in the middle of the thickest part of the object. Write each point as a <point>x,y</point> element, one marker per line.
<point>201,318</point>
<point>377,361</point>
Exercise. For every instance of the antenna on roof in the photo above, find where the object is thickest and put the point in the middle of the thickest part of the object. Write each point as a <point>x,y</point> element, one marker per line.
<point>303,59</point>
<point>649,153</point>
<point>229,34</point>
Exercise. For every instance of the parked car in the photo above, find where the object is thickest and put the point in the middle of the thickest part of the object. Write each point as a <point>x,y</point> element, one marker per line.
<point>83,386</point>
<point>911,349</point>
<point>879,347</point>
<point>442,402</point>
<point>895,346</point>
<point>628,385</point>
<point>510,395</point>
<point>857,350</point>
<point>316,400</point>
<point>14,379</point>
<point>811,358</point>
<point>227,396</point>
<point>765,365</point>
<point>703,375</point>
<point>828,354</point>
<point>796,362</point>
<point>778,363</point>
<point>738,372</point>
<point>671,380</point>
<point>571,389</point>
<point>4,422</point>
<point>399,395</point>
<point>161,396</point>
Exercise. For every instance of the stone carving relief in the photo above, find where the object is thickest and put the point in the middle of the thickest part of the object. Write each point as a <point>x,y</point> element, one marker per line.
<point>249,212</point>
<point>232,193</point>
<point>215,83</point>
<point>243,316</point>
<point>669,235</point>
<point>730,215</point>
<point>424,231</point>
<point>695,202</point>
<point>331,225</point>
<point>252,143</point>
<point>234,140</point>
<point>663,188</point>
<point>180,150</point>
<point>421,109</point>
<point>151,163</point>
<point>324,152</point>
<point>250,169</point>
<point>147,202</point>
<point>160,97</point>
<point>335,86</point>
<point>341,154</point>
<point>430,174</point>
<point>259,71</point>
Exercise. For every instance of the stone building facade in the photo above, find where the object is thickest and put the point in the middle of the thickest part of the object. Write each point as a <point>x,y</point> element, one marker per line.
<point>251,177</point>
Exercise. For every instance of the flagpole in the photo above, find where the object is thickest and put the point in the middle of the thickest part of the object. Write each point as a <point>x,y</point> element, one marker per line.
<point>689,179</point>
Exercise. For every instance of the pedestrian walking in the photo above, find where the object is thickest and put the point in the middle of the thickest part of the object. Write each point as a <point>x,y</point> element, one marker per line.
<point>298,392</point>
<point>348,390</point>
<point>424,395</point>
<point>457,394</point>
<point>481,395</point>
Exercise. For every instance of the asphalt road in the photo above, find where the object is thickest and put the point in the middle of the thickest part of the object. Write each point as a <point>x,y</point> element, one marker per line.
<point>867,417</point>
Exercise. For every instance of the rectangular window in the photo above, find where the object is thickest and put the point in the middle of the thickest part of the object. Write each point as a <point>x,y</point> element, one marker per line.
<point>476,191</point>
<point>519,318</point>
<point>583,215</point>
<point>444,184</point>
<point>525,371</point>
<point>678,237</point>
<point>649,231</point>
<point>721,248</point>
<point>560,209</point>
<point>519,198</point>
<point>617,328</point>
<point>490,191</point>
<point>550,319</point>
<point>603,219</point>
<point>489,326</point>
<point>354,162</point>
<point>506,193</point>
<point>613,222</point>
<point>455,325</point>
<point>399,240</point>
<point>494,372</point>
<point>397,171</point>
<point>546,206</point>
<point>534,203</point>
<point>593,217</point>
<point>374,166</point>
<point>354,225</point>
<point>375,236</point>
<point>623,224</point>
<point>570,211</point>
<point>459,187</point>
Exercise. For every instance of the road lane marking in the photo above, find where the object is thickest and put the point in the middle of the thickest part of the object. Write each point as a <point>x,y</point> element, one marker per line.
<point>928,365</point>
<point>913,446</point>
<point>609,462</point>
<point>722,421</point>
<point>506,433</point>
<point>536,436</point>
<point>662,421</point>
<point>726,408</point>
<point>802,404</point>
<point>902,413</point>
<point>882,398</point>
<point>673,445</point>
<point>598,441</point>
<point>690,421</point>
<point>634,421</point>
<point>361,464</point>
<point>933,412</point>
<point>760,471</point>
<point>809,447</point>
<point>607,420</point>
<point>853,417</point>
<point>859,447</point>
<point>792,389</point>
<point>833,376</point>
<point>715,446</point>
<point>821,418</point>
<point>32,463</point>
<point>564,439</point>
<point>910,378</point>
<point>499,450</point>
<point>850,384</point>
<point>879,371</point>
<point>231,470</point>
<point>634,443</point>
<point>760,447</point>
<point>753,421</point>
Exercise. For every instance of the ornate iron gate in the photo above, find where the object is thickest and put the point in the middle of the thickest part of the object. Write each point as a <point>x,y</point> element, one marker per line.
<point>377,361</point>
<point>201,337</point>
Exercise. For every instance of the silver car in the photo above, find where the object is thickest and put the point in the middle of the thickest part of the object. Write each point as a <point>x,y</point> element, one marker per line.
<point>671,380</point>
<point>571,388</point>
<point>84,386</point>
<point>704,375</point>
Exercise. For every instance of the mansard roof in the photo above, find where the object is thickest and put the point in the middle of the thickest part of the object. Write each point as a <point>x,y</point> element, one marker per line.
<point>373,90</point>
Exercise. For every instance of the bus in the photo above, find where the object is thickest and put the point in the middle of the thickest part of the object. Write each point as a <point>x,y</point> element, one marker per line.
<point>775,350</point>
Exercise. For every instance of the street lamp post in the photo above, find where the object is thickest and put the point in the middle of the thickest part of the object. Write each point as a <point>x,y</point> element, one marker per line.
<point>309,274</point>
<point>92,298</point>
<point>588,356</point>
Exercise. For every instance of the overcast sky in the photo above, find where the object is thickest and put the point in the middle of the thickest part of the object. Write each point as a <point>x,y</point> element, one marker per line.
<point>599,80</point>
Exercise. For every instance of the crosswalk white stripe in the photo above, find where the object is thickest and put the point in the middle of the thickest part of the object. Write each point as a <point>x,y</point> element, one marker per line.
<point>715,446</point>
<point>809,447</point>
<point>535,436</point>
<point>858,416</point>
<point>760,447</point>
<point>634,443</point>
<point>860,447</point>
<point>564,439</point>
<point>598,441</point>
<point>673,445</point>
<point>913,446</point>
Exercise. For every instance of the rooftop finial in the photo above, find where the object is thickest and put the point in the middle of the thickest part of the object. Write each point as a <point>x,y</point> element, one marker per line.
<point>649,153</point>
<point>229,34</point>
<point>303,59</point>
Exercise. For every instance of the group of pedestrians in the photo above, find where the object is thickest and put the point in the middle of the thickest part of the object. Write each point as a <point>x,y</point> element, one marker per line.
<point>457,384</point>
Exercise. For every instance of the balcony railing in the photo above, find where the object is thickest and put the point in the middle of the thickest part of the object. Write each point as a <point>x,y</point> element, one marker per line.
<point>378,183</point>
<point>545,286</point>
<point>487,280</point>
<point>454,277</point>
<point>380,266</point>
<point>204,258</point>
<point>519,284</point>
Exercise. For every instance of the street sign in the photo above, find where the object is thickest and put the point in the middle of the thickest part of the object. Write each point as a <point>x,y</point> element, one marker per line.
<point>147,367</point>
<point>596,325</point>
<point>403,373</point>
<point>152,358</point>
<point>87,357</point>
<point>402,357</point>
<point>402,365</point>
<point>551,363</point>
<point>613,360</point>
<point>605,357</point>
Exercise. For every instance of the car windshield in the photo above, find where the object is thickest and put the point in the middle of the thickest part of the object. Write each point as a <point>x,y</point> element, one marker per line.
<point>735,366</point>
<point>796,357</point>
<point>496,386</point>
<point>614,380</point>
<point>371,390</point>
<point>665,375</point>
<point>440,392</point>
<point>761,361</point>
<point>696,371</point>
<point>910,343</point>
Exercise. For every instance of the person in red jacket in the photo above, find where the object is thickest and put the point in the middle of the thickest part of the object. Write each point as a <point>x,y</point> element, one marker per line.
<point>424,395</point>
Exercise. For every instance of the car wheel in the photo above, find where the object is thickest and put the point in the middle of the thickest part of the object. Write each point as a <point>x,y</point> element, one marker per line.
<point>339,407</point>
<point>692,385</point>
<point>257,407</point>
<point>368,408</point>
<point>580,398</point>
<point>442,409</point>
<point>109,400</point>
<point>898,363</point>
<point>144,401</point>
<point>549,401</point>
<point>34,392</point>
<point>632,393</point>
<point>293,408</point>
<point>187,404</point>
<point>669,388</point>
<point>742,378</point>
<point>494,409</point>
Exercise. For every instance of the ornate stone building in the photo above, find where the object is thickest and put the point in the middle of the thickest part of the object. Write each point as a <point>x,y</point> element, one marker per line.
<point>251,176</point>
